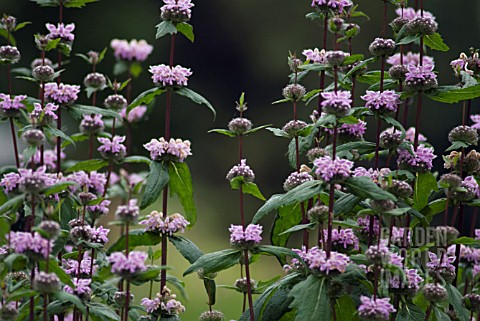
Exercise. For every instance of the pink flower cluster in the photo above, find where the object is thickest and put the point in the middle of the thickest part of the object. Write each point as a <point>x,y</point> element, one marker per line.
<point>337,5</point>
<point>410,13</point>
<point>94,182</point>
<point>178,6</point>
<point>409,58</point>
<point>316,259</point>
<point>122,265</point>
<point>375,309</point>
<point>135,115</point>
<point>344,238</point>
<point>157,222</point>
<point>46,114</point>
<point>61,31</point>
<point>386,101</point>
<point>30,244</point>
<point>133,50</point>
<point>315,55</point>
<point>61,93</point>
<point>328,169</point>
<point>99,235</point>
<point>112,148</point>
<point>374,174</point>
<point>420,73</point>
<point>175,149</point>
<point>421,159</point>
<point>71,266</point>
<point>28,180</point>
<point>8,104</point>
<point>442,263</point>
<point>163,75</point>
<point>337,100</point>
<point>82,286</point>
<point>251,235</point>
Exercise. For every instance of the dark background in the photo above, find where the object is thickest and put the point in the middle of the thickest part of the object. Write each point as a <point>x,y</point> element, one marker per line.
<point>240,45</point>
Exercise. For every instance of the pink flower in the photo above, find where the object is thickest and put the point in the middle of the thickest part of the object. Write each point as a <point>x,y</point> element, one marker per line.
<point>61,31</point>
<point>124,266</point>
<point>135,50</point>
<point>248,237</point>
<point>61,93</point>
<point>157,222</point>
<point>315,55</point>
<point>135,115</point>
<point>175,149</point>
<point>379,309</point>
<point>409,59</point>
<point>9,104</point>
<point>329,170</point>
<point>165,76</point>
<point>386,101</point>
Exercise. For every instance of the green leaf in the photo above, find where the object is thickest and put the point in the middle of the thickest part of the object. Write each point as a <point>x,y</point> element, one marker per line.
<point>101,312</point>
<point>345,204</point>
<point>439,314</point>
<point>82,110</point>
<point>298,194</point>
<point>247,187</point>
<point>285,223</point>
<point>165,28</point>
<point>137,159</point>
<point>311,299</point>
<point>216,261</point>
<point>277,251</point>
<point>146,97</point>
<point>410,312</point>
<point>78,137</point>
<point>225,132</point>
<point>256,129</point>
<point>57,188</point>
<point>47,3</point>
<point>187,30</point>
<point>136,238</point>
<point>345,308</point>
<point>196,98</point>
<point>4,34</point>
<point>187,248</point>
<point>88,165</point>
<point>457,145</point>
<point>54,268</point>
<point>135,71</point>
<point>64,296</point>
<point>156,182</point>
<point>424,185</point>
<point>278,132</point>
<point>152,273</point>
<point>353,58</point>
<point>453,95</point>
<point>467,241</point>
<point>78,3</point>
<point>316,67</point>
<point>270,306</point>
<point>58,133</point>
<point>12,203</point>
<point>21,25</point>
<point>455,299</point>
<point>435,42</point>
<point>364,187</point>
<point>181,185</point>
<point>359,66</point>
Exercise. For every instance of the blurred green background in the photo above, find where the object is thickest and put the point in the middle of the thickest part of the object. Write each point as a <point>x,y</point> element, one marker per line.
<point>240,46</point>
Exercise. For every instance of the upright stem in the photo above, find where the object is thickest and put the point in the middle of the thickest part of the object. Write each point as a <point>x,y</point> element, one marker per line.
<point>379,120</point>
<point>417,121</point>
<point>59,110</point>
<point>14,139</point>
<point>249,287</point>
<point>127,299</point>
<point>385,21</point>
<point>322,73</point>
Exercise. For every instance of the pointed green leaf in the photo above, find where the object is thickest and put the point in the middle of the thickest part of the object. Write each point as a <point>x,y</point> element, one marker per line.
<point>136,238</point>
<point>165,28</point>
<point>156,182</point>
<point>187,30</point>
<point>196,98</point>
<point>216,261</point>
<point>88,165</point>
<point>181,185</point>
<point>435,42</point>
<point>311,299</point>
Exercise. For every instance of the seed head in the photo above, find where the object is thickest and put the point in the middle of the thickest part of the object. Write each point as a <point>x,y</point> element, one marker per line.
<point>50,228</point>
<point>400,189</point>
<point>398,72</point>
<point>115,102</point>
<point>213,315</point>
<point>294,127</point>
<point>98,81</point>
<point>421,26</point>
<point>318,213</point>
<point>241,285</point>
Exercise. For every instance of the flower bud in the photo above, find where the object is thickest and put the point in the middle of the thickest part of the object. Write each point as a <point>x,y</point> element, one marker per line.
<point>464,134</point>
<point>41,62</point>
<point>390,139</point>
<point>115,102</point>
<point>239,125</point>
<point>296,179</point>
<point>9,54</point>
<point>294,127</point>
<point>120,299</point>
<point>450,181</point>
<point>335,24</point>
<point>294,64</point>
<point>382,47</point>
<point>294,92</point>
<point>86,197</point>
<point>315,153</point>
<point>213,315</point>
<point>421,26</point>
<point>50,228</point>
<point>335,58</point>
<point>400,189</point>
<point>472,302</point>
<point>398,72</point>
<point>33,137</point>
<point>378,255</point>
<point>471,163</point>
<point>445,235</point>
<point>435,293</point>
<point>95,80</point>
<point>93,56</point>
<point>318,213</point>
<point>81,233</point>
<point>43,73</point>
<point>398,23</point>
<point>9,23</point>
<point>241,285</point>
<point>46,282</point>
